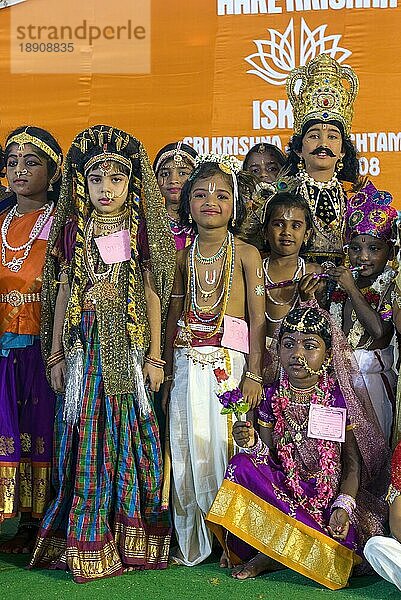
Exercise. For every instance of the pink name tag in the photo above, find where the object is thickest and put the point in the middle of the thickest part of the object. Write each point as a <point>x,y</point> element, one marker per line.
<point>235,335</point>
<point>115,248</point>
<point>44,234</point>
<point>327,423</point>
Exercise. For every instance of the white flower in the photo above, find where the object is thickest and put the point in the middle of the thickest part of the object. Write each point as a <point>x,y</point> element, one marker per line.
<point>227,385</point>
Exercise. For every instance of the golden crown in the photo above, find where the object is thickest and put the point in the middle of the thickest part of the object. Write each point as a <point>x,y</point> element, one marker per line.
<point>327,92</point>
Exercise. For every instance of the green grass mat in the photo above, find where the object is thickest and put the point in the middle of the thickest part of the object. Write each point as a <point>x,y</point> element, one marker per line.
<point>204,582</point>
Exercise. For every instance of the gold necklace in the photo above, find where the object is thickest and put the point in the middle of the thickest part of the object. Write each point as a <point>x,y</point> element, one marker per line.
<point>110,223</point>
<point>112,271</point>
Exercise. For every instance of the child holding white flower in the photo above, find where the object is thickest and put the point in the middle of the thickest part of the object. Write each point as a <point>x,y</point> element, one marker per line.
<point>218,305</point>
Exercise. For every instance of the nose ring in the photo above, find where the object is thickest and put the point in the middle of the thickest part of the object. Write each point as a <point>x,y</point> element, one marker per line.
<point>110,195</point>
<point>23,172</point>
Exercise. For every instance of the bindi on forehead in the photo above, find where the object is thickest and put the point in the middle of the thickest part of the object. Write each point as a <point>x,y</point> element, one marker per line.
<point>29,154</point>
<point>289,213</point>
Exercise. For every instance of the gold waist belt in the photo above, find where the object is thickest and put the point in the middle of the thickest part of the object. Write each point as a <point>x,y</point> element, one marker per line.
<point>16,298</point>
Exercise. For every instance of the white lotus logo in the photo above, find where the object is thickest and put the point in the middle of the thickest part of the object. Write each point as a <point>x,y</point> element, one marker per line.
<point>276,57</point>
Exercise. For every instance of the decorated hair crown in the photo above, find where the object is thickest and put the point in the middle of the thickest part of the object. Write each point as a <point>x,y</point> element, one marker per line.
<point>369,212</point>
<point>327,92</point>
<point>178,151</point>
<point>104,144</point>
<point>228,164</point>
<point>307,320</point>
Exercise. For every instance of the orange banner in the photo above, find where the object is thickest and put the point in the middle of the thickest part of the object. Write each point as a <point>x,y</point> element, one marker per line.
<point>210,72</point>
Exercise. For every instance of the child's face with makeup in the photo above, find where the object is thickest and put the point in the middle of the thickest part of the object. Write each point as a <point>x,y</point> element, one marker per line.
<point>286,230</point>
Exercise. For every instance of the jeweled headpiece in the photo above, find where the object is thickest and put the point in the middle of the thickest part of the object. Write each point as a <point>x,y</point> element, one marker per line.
<point>24,137</point>
<point>307,320</point>
<point>178,151</point>
<point>227,164</point>
<point>369,212</point>
<point>327,93</point>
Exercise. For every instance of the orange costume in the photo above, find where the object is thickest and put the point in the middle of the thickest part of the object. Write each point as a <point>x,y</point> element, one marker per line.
<point>26,400</point>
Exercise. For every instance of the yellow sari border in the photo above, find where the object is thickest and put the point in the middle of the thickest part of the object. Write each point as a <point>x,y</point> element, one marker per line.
<point>283,538</point>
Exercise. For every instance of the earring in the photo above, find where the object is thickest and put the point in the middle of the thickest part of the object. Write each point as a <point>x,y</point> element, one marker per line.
<point>50,188</point>
<point>233,222</point>
<point>339,165</point>
<point>190,218</point>
<point>301,164</point>
<point>347,263</point>
<point>8,189</point>
<point>395,264</point>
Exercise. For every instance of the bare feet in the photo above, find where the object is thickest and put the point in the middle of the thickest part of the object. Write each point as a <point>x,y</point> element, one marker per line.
<point>22,543</point>
<point>258,564</point>
<point>225,561</point>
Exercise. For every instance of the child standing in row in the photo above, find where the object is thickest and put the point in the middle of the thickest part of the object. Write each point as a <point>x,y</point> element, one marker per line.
<point>112,255</point>
<point>286,223</point>
<point>362,304</point>
<point>212,351</point>
<point>172,166</point>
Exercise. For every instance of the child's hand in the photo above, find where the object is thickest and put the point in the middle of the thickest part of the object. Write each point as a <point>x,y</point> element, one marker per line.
<point>57,377</point>
<point>344,278</point>
<point>153,375</point>
<point>339,524</point>
<point>252,392</point>
<point>244,434</point>
<point>308,286</point>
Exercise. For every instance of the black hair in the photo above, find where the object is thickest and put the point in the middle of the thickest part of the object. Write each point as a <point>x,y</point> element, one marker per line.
<point>262,148</point>
<point>287,200</point>
<point>246,184</point>
<point>46,137</point>
<point>173,146</point>
<point>313,321</point>
<point>350,170</point>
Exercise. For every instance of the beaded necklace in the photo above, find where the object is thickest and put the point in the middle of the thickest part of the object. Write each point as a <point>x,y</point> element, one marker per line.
<point>176,228</point>
<point>374,295</point>
<point>208,260</point>
<point>334,194</point>
<point>206,294</point>
<point>111,273</point>
<point>15,264</point>
<point>217,319</point>
<point>321,394</point>
<point>269,284</point>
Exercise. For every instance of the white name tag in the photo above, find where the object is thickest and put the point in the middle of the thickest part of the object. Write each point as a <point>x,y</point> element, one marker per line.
<point>327,423</point>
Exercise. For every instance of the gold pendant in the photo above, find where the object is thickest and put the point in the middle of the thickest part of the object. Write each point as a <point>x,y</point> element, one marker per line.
<point>298,437</point>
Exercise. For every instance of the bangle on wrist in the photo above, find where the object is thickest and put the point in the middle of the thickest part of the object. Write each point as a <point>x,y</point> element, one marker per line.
<point>345,502</point>
<point>259,448</point>
<point>55,358</point>
<point>155,362</point>
<point>254,377</point>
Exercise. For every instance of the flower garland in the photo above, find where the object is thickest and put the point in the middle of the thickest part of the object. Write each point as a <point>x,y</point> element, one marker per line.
<point>228,392</point>
<point>321,394</point>
<point>374,295</point>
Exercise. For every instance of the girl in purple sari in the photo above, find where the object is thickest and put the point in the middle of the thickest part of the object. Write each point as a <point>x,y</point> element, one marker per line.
<point>307,492</point>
